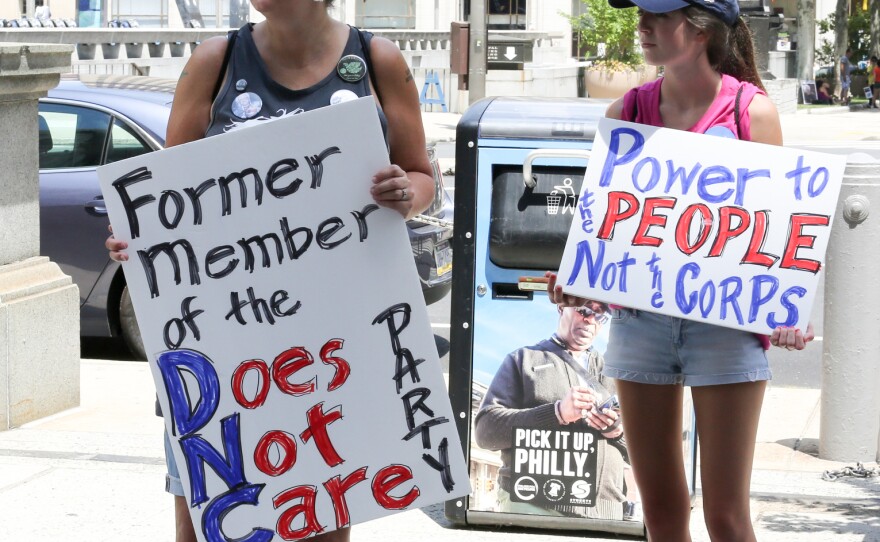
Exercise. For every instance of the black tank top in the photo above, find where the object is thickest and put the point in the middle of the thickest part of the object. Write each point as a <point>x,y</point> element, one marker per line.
<point>251,95</point>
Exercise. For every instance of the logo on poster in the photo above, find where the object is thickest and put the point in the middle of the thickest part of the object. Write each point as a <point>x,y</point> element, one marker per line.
<point>526,488</point>
<point>580,489</point>
<point>554,489</point>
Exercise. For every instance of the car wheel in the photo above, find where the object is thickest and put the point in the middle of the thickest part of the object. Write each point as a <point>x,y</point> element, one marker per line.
<point>131,333</point>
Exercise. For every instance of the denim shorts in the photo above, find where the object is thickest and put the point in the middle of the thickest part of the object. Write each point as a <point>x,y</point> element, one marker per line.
<point>172,479</point>
<point>656,349</point>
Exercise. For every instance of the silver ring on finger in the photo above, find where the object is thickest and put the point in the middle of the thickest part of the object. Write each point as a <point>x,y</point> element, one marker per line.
<point>403,194</point>
<point>584,413</point>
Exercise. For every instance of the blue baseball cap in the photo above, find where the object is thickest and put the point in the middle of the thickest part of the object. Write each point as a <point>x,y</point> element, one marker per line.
<point>726,10</point>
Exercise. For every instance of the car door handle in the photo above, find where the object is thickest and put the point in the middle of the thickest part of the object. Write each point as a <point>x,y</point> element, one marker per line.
<point>96,207</point>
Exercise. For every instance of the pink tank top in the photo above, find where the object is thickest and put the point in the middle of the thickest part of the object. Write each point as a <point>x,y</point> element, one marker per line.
<point>642,105</point>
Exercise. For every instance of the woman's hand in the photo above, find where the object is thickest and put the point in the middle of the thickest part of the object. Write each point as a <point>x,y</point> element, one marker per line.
<point>116,247</point>
<point>791,338</point>
<point>392,188</point>
<point>554,291</point>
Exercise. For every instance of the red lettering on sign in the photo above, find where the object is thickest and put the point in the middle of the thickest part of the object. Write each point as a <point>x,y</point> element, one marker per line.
<point>389,478</point>
<point>343,369</point>
<point>796,241</point>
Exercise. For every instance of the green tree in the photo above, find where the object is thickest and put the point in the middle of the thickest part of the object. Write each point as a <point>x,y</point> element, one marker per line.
<point>615,28</point>
<point>858,32</point>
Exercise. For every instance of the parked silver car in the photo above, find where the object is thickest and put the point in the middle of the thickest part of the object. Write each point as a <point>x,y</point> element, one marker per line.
<point>97,120</point>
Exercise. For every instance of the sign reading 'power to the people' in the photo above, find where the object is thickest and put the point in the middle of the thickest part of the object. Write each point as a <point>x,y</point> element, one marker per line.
<point>702,227</point>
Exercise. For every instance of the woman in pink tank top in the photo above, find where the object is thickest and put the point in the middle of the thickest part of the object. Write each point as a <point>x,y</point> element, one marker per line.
<point>710,85</point>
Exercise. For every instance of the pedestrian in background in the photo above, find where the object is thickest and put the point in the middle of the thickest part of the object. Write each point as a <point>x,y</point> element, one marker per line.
<point>299,59</point>
<point>42,12</point>
<point>846,68</point>
<point>710,85</point>
<point>874,81</point>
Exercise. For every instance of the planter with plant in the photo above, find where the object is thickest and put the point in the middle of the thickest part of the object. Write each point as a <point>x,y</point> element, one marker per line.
<point>608,37</point>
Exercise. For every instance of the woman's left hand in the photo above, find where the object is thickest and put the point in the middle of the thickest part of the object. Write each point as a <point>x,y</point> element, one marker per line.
<point>791,338</point>
<point>392,188</point>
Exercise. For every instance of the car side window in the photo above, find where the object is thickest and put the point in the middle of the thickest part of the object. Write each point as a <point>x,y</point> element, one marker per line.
<point>71,136</point>
<point>124,143</point>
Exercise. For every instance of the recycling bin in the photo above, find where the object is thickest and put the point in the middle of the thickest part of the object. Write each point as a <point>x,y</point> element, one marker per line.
<point>511,227</point>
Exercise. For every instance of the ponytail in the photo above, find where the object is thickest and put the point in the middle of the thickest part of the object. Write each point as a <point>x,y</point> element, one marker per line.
<point>730,49</point>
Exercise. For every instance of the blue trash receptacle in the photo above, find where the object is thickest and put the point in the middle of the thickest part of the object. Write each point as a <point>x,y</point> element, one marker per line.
<point>508,231</point>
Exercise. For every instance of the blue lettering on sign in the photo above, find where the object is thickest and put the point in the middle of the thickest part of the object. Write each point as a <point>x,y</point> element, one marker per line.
<point>188,418</point>
<point>792,317</point>
<point>759,298</point>
<point>199,452</point>
<point>686,303</point>
<point>821,175</point>
<point>725,297</point>
<point>653,174</point>
<point>731,298</point>
<point>587,200</point>
<point>597,268</point>
<point>212,519</point>
<point>713,175</point>
<point>743,176</point>
<point>613,159</point>
<point>656,280</point>
<point>679,173</point>
<point>715,183</point>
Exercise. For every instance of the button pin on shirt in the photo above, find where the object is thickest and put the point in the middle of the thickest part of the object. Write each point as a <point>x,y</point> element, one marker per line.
<point>351,68</point>
<point>342,95</point>
<point>247,105</point>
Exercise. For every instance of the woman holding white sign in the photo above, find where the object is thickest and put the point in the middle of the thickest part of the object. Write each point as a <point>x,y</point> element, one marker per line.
<point>299,59</point>
<point>710,85</point>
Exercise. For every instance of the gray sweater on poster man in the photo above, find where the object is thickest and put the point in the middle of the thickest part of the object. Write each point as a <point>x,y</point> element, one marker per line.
<point>523,393</point>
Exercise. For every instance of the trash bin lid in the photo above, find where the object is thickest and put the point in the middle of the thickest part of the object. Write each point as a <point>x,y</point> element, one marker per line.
<point>542,118</point>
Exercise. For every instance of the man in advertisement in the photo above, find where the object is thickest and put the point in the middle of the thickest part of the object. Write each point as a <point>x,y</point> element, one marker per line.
<point>556,422</point>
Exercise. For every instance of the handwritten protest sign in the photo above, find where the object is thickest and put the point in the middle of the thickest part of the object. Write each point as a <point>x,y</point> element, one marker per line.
<point>285,327</point>
<point>700,227</point>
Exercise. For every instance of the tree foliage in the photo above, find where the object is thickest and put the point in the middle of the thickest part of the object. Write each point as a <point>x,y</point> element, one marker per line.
<point>859,37</point>
<point>616,28</point>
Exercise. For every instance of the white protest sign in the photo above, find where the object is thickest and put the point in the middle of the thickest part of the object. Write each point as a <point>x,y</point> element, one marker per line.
<point>286,329</point>
<point>701,227</point>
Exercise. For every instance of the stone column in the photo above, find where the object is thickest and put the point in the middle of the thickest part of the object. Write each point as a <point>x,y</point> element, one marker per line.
<point>39,305</point>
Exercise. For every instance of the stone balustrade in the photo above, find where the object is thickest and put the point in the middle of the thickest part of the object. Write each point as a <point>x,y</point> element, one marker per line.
<point>107,40</point>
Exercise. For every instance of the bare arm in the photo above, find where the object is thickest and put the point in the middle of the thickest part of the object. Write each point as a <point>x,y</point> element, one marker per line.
<point>406,135</point>
<point>615,110</point>
<point>765,121</point>
<point>190,112</point>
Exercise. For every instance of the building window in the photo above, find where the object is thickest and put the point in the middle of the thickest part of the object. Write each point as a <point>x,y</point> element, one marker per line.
<point>503,14</point>
<point>386,14</point>
<point>147,13</point>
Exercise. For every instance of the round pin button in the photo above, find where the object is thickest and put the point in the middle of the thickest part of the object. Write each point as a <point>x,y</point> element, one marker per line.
<point>246,105</point>
<point>343,95</point>
<point>240,85</point>
<point>351,68</point>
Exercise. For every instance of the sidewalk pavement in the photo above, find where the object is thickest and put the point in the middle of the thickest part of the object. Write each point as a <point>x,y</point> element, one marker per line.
<point>833,124</point>
<point>96,473</point>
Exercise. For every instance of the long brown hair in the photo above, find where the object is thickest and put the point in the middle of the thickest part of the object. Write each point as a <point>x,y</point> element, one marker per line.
<point>730,49</point>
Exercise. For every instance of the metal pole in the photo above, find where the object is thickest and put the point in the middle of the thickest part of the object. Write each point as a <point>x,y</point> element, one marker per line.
<point>850,421</point>
<point>477,51</point>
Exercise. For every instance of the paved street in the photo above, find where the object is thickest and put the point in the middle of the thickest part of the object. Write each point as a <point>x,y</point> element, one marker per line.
<point>96,473</point>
